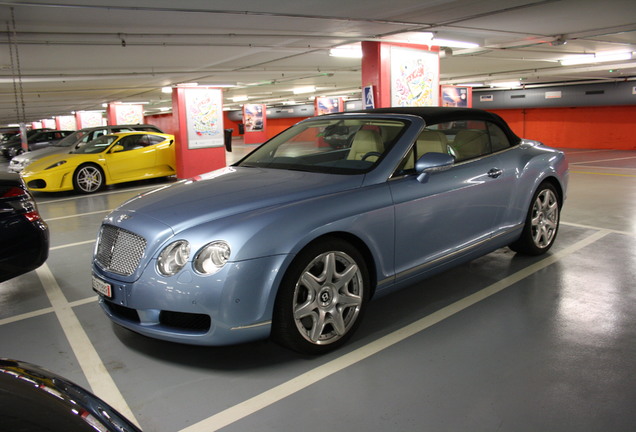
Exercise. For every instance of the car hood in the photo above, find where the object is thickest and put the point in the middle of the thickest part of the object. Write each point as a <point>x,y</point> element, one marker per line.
<point>40,153</point>
<point>44,162</point>
<point>232,191</point>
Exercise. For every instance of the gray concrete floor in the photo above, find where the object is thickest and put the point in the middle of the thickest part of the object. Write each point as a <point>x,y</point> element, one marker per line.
<point>503,343</point>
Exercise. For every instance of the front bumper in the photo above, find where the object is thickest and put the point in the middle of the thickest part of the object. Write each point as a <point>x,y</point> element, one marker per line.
<point>49,181</point>
<point>232,306</point>
<point>16,166</point>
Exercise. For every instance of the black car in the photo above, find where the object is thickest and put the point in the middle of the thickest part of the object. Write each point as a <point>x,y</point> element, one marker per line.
<point>38,140</point>
<point>24,236</point>
<point>33,399</point>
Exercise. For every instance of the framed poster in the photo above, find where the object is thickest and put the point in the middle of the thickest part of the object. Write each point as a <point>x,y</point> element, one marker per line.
<point>453,96</point>
<point>129,114</point>
<point>414,77</point>
<point>204,117</point>
<point>90,119</point>
<point>253,117</point>
<point>327,105</point>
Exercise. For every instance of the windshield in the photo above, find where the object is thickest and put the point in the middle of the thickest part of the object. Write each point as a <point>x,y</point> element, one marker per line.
<point>71,139</point>
<point>333,145</point>
<point>98,145</point>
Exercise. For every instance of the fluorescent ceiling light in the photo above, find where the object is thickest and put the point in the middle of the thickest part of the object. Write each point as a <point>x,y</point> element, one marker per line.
<point>453,43</point>
<point>428,38</point>
<point>239,98</point>
<point>596,58</point>
<point>506,84</point>
<point>301,90</point>
<point>347,51</point>
<point>166,90</point>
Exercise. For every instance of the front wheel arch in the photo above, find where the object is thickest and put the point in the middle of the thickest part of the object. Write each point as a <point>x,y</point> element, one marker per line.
<point>95,186</point>
<point>298,298</point>
<point>356,242</point>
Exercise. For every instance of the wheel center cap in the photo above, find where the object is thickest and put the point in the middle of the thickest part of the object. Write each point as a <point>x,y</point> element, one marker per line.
<point>325,297</point>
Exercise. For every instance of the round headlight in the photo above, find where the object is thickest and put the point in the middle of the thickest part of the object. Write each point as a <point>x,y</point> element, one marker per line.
<point>173,258</point>
<point>212,257</point>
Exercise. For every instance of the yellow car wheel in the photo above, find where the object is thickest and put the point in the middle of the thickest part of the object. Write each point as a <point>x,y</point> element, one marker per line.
<point>88,178</point>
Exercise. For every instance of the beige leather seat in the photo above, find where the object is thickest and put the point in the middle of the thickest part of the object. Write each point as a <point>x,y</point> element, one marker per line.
<point>470,143</point>
<point>365,141</point>
<point>428,141</point>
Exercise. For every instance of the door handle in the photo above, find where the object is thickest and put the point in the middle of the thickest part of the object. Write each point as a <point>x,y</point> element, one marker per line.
<point>495,172</point>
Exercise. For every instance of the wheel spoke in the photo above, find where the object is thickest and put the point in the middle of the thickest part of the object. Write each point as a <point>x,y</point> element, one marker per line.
<point>342,279</point>
<point>338,323</point>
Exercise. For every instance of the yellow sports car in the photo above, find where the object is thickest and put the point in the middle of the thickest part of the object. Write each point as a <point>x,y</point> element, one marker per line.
<point>109,159</point>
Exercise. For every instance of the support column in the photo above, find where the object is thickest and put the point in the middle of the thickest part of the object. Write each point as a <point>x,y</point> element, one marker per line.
<point>199,140</point>
<point>401,74</point>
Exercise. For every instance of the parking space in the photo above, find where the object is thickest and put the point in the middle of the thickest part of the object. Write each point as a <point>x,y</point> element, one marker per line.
<point>504,342</point>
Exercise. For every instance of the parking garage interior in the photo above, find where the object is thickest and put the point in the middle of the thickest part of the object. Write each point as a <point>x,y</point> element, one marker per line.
<point>505,342</point>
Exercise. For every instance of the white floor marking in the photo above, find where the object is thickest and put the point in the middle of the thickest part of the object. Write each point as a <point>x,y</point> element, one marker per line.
<point>25,316</point>
<point>72,244</point>
<point>158,185</point>
<point>603,160</point>
<point>49,219</point>
<point>269,397</point>
<point>99,379</point>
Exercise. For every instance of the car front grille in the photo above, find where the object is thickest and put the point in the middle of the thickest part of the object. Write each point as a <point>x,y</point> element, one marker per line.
<point>119,251</point>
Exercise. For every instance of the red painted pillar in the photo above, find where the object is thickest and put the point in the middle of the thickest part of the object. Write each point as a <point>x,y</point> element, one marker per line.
<point>255,121</point>
<point>199,145</point>
<point>376,71</point>
<point>379,59</point>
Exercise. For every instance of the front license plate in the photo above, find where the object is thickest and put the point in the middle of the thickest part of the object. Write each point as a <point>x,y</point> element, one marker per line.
<point>102,287</point>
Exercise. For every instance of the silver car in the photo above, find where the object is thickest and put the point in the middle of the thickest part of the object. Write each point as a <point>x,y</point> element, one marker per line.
<point>293,240</point>
<point>77,138</point>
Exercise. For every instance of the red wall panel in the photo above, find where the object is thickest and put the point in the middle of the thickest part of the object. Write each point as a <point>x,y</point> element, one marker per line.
<point>165,122</point>
<point>609,127</point>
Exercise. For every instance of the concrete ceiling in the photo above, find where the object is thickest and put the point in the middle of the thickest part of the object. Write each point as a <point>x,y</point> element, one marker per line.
<point>79,54</point>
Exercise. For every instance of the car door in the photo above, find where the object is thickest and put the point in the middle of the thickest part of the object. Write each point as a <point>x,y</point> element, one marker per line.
<point>453,212</point>
<point>135,161</point>
<point>44,140</point>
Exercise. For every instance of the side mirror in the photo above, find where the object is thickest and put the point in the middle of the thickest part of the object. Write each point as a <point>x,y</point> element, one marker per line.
<point>117,148</point>
<point>432,162</point>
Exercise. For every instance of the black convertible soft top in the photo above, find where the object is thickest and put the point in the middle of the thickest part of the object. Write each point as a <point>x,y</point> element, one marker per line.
<point>434,115</point>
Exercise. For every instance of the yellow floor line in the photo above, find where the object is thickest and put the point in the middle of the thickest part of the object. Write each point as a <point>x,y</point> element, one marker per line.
<point>605,174</point>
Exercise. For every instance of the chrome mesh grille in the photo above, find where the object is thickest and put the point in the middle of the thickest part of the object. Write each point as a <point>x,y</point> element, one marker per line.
<point>119,251</point>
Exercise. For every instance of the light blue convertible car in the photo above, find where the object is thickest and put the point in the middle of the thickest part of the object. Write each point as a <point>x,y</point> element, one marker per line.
<point>293,240</point>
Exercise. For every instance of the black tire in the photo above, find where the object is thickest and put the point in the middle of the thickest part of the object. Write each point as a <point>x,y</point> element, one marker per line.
<point>322,298</point>
<point>88,178</point>
<point>542,222</point>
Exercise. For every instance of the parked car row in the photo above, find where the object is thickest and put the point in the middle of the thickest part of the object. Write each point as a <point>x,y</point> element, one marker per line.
<point>36,139</point>
<point>77,138</point>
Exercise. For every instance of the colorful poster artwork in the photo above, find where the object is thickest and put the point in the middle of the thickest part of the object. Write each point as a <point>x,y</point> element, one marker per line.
<point>326,105</point>
<point>414,77</point>
<point>129,114</point>
<point>253,117</point>
<point>204,116</point>
<point>66,122</point>
<point>49,123</point>
<point>456,96</point>
<point>90,119</point>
